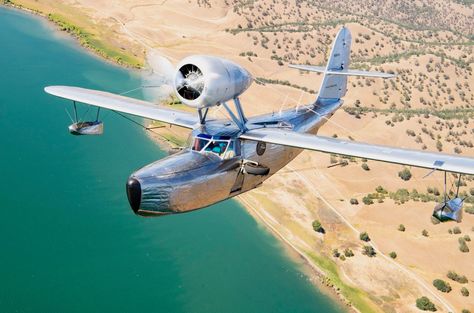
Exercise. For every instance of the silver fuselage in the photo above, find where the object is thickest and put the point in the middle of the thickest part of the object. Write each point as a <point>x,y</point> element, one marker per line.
<point>191,180</point>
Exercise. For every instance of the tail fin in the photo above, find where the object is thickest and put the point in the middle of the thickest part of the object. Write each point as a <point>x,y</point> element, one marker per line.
<point>334,84</point>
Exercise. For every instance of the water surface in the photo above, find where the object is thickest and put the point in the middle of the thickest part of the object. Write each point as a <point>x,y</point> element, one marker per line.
<point>68,240</point>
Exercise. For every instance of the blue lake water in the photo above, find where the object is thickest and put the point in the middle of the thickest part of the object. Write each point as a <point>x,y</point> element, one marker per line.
<point>68,239</point>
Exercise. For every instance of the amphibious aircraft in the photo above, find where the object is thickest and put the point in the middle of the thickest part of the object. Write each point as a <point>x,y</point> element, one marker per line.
<point>227,157</point>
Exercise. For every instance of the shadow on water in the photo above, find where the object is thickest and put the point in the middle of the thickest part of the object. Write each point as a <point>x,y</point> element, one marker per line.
<point>70,243</point>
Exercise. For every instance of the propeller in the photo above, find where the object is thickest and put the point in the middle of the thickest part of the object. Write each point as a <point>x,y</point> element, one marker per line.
<point>189,82</point>
<point>160,75</point>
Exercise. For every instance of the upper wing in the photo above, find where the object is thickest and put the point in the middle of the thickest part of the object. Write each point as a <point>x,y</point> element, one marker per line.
<point>431,160</point>
<point>124,104</point>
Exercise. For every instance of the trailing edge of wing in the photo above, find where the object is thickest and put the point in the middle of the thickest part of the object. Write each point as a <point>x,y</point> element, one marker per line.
<point>123,104</point>
<point>430,160</point>
<point>321,69</point>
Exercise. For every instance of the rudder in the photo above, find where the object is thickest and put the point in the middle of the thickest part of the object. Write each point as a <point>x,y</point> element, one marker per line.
<point>335,86</point>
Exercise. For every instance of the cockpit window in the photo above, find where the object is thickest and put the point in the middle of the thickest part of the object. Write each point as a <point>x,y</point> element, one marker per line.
<point>222,146</point>
<point>200,143</point>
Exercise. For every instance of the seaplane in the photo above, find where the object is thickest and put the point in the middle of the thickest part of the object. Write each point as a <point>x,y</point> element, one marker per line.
<point>227,157</point>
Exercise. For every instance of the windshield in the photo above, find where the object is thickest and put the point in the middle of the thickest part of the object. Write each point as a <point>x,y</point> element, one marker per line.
<point>222,146</point>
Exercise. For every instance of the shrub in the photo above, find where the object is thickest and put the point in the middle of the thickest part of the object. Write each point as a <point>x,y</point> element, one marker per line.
<point>463,247</point>
<point>424,233</point>
<point>465,292</point>
<point>441,285</point>
<point>335,253</point>
<point>456,230</point>
<point>380,189</point>
<point>367,200</point>
<point>368,251</point>
<point>348,253</point>
<point>364,236</point>
<point>425,304</point>
<point>456,277</point>
<point>318,227</point>
<point>393,255</point>
<point>469,210</point>
<point>467,238</point>
<point>354,201</point>
<point>465,311</point>
<point>401,227</point>
<point>342,257</point>
<point>365,167</point>
<point>405,174</point>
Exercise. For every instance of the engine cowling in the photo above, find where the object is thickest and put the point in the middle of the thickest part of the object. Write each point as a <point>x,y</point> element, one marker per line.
<point>204,81</point>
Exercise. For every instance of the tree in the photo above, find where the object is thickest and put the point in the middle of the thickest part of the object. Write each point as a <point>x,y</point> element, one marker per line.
<point>367,200</point>
<point>456,277</point>
<point>364,236</point>
<point>380,189</point>
<point>441,285</point>
<point>368,251</point>
<point>348,253</point>
<point>465,292</point>
<point>405,174</point>
<point>425,304</point>
<point>401,227</point>
<point>393,255</point>
<point>318,227</point>
<point>463,246</point>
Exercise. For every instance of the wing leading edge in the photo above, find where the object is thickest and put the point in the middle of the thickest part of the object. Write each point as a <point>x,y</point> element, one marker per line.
<point>123,104</point>
<point>429,160</point>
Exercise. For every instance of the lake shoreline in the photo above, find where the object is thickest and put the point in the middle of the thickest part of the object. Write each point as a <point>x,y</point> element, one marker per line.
<point>309,267</point>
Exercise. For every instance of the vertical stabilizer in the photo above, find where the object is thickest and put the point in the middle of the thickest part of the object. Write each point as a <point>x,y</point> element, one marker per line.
<point>334,86</point>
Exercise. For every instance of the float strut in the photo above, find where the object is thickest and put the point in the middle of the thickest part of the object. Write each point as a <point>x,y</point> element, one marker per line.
<point>75,111</point>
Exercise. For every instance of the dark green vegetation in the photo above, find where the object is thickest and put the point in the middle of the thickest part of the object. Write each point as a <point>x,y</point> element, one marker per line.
<point>263,81</point>
<point>441,285</point>
<point>445,114</point>
<point>405,174</point>
<point>402,195</point>
<point>425,304</point>
<point>364,236</point>
<point>348,253</point>
<point>401,227</point>
<point>456,277</point>
<point>393,255</point>
<point>91,41</point>
<point>368,251</point>
<point>355,296</point>
<point>317,227</point>
<point>463,247</point>
<point>71,243</point>
<point>465,292</point>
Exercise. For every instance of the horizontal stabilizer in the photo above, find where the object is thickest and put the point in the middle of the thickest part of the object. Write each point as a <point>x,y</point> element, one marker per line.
<point>322,69</point>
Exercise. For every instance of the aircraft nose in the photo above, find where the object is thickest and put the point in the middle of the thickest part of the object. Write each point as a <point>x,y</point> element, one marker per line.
<point>134,193</point>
